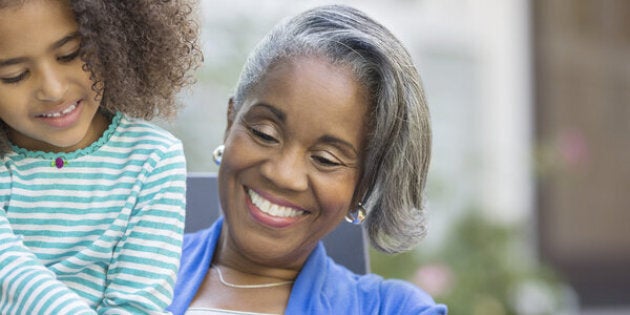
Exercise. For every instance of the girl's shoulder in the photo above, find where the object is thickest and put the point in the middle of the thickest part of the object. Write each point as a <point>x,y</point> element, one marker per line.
<point>131,128</point>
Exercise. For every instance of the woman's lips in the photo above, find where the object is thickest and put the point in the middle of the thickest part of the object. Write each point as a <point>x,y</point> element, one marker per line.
<point>272,214</point>
<point>273,209</point>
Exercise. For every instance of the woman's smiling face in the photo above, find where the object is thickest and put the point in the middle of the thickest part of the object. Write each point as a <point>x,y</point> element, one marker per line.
<point>293,156</point>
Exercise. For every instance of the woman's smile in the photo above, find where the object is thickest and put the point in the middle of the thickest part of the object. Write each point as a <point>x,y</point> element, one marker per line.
<point>272,214</point>
<point>271,208</point>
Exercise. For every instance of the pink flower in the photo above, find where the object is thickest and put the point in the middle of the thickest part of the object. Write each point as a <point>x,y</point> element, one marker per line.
<point>573,147</point>
<point>436,279</point>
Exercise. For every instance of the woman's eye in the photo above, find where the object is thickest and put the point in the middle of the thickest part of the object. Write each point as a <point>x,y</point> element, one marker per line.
<point>15,79</point>
<point>325,161</point>
<point>69,57</point>
<point>262,135</point>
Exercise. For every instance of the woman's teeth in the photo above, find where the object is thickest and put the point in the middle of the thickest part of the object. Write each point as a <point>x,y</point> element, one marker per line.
<point>66,111</point>
<point>272,209</point>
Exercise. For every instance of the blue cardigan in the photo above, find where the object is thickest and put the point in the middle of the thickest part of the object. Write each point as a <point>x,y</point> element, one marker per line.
<point>321,287</point>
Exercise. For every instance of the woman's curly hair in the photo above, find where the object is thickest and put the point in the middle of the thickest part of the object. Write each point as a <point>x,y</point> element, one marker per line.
<point>140,53</point>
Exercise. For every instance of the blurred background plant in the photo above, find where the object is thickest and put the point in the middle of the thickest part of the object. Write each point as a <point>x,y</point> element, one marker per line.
<point>481,269</point>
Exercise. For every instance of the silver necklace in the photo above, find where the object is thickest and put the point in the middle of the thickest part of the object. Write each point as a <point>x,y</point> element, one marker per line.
<point>247,286</point>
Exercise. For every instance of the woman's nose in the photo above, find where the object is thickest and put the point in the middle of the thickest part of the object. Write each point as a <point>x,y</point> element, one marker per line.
<point>287,169</point>
<point>52,86</point>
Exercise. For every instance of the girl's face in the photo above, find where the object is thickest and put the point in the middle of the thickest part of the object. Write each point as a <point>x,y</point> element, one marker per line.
<point>292,159</point>
<point>46,98</point>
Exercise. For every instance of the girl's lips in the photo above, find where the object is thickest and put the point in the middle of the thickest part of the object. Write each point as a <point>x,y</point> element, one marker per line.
<point>64,117</point>
<point>63,112</point>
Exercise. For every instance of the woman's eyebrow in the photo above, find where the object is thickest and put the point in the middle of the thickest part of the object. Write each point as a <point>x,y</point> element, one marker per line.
<point>339,142</point>
<point>280,115</point>
<point>276,112</point>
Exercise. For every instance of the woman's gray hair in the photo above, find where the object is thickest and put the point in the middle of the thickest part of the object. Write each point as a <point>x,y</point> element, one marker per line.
<point>398,147</point>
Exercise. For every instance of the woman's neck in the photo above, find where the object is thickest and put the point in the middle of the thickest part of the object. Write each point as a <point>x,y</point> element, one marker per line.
<point>226,256</point>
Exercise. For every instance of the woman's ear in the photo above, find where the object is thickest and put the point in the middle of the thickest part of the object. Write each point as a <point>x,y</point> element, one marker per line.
<point>231,115</point>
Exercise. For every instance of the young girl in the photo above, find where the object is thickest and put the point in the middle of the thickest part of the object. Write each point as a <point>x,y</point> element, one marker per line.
<point>92,196</point>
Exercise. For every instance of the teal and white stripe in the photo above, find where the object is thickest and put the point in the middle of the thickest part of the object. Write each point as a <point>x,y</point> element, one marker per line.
<point>106,227</point>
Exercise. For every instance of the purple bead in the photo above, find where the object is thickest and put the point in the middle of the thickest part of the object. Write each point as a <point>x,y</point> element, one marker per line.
<point>59,162</point>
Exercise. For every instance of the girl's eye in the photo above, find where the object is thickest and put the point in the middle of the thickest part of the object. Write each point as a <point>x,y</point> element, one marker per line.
<point>16,79</point>
<point>69,57</point>
<point>262,135</point>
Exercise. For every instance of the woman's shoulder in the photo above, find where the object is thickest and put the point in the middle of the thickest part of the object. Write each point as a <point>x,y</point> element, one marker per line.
<point>194,240</point>
<point>398,295</point>
<point>388,296</point>
<point>198,246</point>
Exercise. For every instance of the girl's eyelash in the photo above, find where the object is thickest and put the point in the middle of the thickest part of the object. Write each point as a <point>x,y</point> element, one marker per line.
<point>15,79</point>
<point>69,57</point>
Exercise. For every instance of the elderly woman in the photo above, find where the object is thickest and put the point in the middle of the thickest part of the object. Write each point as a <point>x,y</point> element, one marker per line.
<point>328,121</point>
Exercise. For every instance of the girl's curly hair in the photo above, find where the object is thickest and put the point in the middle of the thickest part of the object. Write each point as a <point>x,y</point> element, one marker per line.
<point>140,53</point>
<point>143,51</point>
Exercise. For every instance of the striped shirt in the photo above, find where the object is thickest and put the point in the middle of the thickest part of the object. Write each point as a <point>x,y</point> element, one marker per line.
<point>98,230</point>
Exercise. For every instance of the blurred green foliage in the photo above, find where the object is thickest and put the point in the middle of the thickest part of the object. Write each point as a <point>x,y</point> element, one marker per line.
<point>483,268</point>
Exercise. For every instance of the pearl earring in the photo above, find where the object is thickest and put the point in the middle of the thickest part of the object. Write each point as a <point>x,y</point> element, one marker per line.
<point>217,154</point>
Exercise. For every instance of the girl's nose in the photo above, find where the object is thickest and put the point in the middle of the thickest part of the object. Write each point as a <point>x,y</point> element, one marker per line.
<point>52,86</point>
